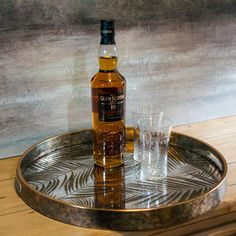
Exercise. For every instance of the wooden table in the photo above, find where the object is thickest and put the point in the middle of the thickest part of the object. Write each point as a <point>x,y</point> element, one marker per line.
<point>16,218</point>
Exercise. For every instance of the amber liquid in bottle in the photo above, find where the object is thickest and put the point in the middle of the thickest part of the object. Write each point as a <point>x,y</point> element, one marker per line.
<point>108,103</point>
<point>108,113</point>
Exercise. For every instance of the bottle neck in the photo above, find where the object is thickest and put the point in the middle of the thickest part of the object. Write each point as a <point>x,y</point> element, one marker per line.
<point>107,55</point>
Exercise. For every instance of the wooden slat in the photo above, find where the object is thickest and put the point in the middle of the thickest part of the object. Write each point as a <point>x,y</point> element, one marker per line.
<point>226,230</point>
<point>10,203</point>
<point>8,168</point>
<point>16,218</point>
<point>220,133</point>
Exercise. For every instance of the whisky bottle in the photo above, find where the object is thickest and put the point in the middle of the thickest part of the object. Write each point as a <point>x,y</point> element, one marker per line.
<point>108,89</point>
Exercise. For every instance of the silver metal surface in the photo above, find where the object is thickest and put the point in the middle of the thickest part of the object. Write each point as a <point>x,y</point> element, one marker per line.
<point>57,178</point>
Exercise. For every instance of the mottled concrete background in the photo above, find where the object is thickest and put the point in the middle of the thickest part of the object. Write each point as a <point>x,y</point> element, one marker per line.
<point>180,54</point>
<point>18,13</point>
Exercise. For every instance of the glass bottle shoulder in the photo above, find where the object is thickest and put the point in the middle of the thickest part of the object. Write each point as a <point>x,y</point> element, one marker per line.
<point>108,79</point>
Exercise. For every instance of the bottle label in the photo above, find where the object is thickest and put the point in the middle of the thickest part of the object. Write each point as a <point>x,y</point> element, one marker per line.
<point>110,103</point>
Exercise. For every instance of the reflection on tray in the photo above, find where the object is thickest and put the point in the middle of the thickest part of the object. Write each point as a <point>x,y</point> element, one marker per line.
<point>109,188</point>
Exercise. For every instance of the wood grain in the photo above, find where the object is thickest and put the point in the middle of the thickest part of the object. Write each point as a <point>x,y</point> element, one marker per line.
<point>8,168</point>
<point>18,219</point>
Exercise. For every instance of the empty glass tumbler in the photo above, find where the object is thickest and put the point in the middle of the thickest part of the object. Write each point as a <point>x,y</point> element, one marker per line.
<point>144,111</point>
<point>155,136</point>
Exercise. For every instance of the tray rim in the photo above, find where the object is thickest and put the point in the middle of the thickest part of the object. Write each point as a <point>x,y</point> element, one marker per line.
<point>21,181</point>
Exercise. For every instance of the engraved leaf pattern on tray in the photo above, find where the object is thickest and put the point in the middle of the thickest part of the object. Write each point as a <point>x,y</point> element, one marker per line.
<point>68,175</point>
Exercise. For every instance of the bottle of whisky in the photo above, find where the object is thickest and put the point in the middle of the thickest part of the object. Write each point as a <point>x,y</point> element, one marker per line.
<point>108,88</point>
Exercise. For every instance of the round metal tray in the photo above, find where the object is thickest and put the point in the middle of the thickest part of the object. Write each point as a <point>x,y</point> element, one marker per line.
<point>57,178</point>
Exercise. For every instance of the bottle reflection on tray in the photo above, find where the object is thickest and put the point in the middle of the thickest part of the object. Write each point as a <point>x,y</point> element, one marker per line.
<point>109,187</point>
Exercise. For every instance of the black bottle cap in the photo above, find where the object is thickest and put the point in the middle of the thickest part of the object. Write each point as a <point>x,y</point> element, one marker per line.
<point>107,28</point>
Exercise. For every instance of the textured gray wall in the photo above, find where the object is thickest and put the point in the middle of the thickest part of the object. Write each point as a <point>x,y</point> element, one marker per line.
<point>180,54</point>
<point>21,13</point>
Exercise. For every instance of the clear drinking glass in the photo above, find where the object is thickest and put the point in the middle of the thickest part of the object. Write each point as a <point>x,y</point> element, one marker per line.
<point>155,136</point>
<point>140,112</point>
